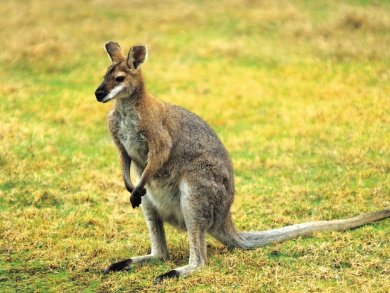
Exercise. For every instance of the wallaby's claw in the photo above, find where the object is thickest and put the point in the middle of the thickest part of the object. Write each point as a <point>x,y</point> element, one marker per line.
<point>123,265</point>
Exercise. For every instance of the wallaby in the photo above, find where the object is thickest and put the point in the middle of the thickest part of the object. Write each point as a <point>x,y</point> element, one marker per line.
<point>185,176</point>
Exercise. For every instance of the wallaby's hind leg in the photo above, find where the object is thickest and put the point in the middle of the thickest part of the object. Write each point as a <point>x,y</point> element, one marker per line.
<point>159,248</point>
<point>196,237</point>
<point>196,224</point>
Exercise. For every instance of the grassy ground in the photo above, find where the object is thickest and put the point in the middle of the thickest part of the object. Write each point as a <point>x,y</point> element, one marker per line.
<point>297,90</point>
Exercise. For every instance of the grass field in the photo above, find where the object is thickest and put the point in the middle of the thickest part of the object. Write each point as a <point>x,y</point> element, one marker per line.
<point>298,91</point>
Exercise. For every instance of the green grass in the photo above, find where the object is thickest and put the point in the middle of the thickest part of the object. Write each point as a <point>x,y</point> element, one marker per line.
<point>299,92</point>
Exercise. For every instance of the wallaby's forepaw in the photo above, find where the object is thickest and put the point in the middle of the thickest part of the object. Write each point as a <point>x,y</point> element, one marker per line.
<point>135,197</point>
<point>168,275</point>
<point>135,200</point>
<point>123,265</point>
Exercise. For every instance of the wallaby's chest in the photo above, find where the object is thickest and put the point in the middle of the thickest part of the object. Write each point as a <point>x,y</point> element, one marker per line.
<point>132,138</point>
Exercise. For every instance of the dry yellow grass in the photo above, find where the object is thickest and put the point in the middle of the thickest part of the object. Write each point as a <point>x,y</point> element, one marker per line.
<point>297,90</point>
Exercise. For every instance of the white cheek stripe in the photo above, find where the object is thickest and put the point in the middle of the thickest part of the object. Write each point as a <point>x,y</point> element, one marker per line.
<point>113,92</point>
<point>146,54</point>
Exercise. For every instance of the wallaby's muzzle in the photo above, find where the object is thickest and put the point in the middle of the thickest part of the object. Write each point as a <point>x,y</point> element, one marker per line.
<point>100,93</point>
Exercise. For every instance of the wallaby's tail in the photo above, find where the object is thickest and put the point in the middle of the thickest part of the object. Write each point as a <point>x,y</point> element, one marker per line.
<point>247,240</point>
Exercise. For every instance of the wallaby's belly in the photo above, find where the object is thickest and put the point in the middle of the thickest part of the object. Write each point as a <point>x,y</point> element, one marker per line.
<point>166,199</point>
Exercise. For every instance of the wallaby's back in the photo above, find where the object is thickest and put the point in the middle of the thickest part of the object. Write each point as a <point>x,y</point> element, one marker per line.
<point>197,148</point>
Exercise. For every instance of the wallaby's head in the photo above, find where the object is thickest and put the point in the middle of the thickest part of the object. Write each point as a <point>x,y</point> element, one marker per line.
<point>123,76</point>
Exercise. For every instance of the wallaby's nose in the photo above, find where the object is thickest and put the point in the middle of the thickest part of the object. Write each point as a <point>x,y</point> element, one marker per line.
<point>100,94</point>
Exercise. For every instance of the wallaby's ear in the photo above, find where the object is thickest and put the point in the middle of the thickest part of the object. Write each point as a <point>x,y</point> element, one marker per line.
<point>137,56</point>
<point>114,51</point>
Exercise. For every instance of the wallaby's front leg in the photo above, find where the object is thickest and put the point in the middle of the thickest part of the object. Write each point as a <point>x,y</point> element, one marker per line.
<point>125,164</point>
<point>125,159</point>
<point>159,248</point>
<point>159,150</point>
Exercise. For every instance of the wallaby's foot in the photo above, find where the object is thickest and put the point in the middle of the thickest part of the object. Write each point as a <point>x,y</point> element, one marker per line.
<point>126,265</point>
<point>123,265</point>
<point>168,275</point>
<point>178,272</point>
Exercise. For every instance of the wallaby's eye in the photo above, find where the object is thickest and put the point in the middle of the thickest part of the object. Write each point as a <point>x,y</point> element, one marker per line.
<point>120,78</point>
